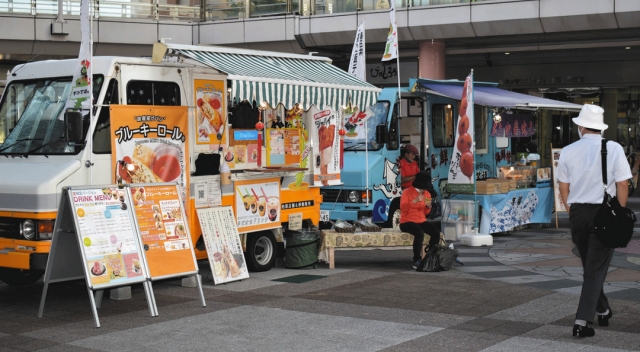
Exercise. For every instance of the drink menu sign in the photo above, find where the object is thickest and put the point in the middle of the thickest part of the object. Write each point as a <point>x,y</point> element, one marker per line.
<point>257,204</point>
<point>111,252</point>
<point>223,244</point>
<point>163,229</point>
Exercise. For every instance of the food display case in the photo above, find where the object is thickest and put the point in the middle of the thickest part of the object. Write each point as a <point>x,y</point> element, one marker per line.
<point>525,176</point>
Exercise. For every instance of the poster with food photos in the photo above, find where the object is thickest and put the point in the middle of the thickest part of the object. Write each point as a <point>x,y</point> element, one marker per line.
<point>223,245</point>
<point>107,233</point>
<point>257,204</point>
<point>163,230</point>
<point>324,134</point>
<point>211,112</point>
<point>555,155</point>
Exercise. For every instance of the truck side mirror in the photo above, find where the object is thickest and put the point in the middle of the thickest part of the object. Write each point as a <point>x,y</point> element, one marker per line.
<point>74,125</point>
<point>381,134</point>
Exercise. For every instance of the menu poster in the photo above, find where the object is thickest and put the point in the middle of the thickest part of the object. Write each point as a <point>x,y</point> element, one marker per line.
<point>555,155</point>
<point>283,147</point>
<point>326,147</point>
<point>163,229</point>
<point>257,204</point>
<point>105,225</point>
<point>223,244</point>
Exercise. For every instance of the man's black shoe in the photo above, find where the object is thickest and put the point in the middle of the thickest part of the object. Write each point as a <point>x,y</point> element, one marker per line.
<point>583,331</point>
<point>603,320</point>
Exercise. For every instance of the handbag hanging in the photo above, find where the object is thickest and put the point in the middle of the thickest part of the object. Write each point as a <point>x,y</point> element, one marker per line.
<point>613,223</point>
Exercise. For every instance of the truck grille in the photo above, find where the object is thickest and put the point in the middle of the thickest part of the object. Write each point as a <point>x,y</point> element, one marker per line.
<point>333,195</point>
<point>9,228</point>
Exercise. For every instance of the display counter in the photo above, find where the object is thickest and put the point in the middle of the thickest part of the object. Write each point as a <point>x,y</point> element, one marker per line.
<point>503,212</point>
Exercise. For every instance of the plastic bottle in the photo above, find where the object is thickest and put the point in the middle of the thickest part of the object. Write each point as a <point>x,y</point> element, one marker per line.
<point>225,174</point>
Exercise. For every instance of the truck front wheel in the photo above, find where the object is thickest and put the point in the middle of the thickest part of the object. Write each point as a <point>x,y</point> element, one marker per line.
<point>393,217</point>
<point>261,251</point>
<point>18,277</point>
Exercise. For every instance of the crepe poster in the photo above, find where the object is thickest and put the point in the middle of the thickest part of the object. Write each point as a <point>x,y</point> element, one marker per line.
<point>211,112</point>
<point>284,147</point>
<point>150,144</point>
<point>107,233</point>
<point>324,135</point>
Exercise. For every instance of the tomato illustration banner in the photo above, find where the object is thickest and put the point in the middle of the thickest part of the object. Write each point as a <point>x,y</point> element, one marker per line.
<point>461,170</point>
<point>324,138</point>
<point>110,248</point>
<point>257,204</point>
<point>514,125</point>
<point>163,230</point>
<point>211,111</point>
<point>151,143</point>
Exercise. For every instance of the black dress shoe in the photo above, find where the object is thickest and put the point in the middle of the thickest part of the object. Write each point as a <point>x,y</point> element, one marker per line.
<point>603,320</point>
<point>583,331</point>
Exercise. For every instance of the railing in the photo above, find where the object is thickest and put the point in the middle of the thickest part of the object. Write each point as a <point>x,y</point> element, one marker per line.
<point>209,10</point>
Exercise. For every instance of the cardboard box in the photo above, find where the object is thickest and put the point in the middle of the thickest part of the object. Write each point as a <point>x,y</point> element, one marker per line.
<point>504,184</point>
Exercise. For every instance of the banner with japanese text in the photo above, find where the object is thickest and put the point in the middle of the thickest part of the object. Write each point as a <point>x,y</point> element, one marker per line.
<point>357,64</point>
<point>462,168</point>
<point>150,144</point>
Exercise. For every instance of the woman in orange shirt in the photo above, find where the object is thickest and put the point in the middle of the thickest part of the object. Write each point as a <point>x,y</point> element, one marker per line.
<point>415,205</point>
<point>408,166</point>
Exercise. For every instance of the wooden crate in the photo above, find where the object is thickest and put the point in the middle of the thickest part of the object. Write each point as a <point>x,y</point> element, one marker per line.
<point>484,187</point>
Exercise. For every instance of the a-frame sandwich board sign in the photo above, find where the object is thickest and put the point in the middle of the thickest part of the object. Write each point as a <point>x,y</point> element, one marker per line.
<point>164,232</point>
<point>95,237</point>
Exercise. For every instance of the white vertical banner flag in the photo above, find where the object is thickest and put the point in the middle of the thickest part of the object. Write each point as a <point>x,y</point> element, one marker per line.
<point>462,169</point>
<point>358,63</point>
<point>80,96</point>
<point>391,49</point>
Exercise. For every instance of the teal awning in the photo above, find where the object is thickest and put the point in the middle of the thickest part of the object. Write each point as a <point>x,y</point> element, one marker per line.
<point>283,78</point>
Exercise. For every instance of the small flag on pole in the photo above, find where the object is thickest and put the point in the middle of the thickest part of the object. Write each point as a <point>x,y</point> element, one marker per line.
<point>391,49</point>
<point>80,96</point>
<point>358,55</point>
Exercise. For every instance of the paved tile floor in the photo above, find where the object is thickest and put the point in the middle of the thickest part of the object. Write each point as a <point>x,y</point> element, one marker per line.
<point>518,295</point>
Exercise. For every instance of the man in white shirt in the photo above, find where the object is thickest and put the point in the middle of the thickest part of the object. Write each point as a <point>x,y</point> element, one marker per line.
<point>579,175</point>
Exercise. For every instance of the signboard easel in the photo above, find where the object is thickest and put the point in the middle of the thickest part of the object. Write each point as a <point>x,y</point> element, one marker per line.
<point>161,221</point>
<point>95,237</point>
<point>222,241</point>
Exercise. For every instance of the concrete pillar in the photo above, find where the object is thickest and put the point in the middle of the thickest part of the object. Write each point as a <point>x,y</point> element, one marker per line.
<point>431,59</point>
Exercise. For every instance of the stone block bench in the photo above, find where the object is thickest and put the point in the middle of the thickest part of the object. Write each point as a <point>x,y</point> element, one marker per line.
<point>330,240</point>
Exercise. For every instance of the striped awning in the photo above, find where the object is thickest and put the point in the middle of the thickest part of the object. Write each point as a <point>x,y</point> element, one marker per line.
<point>280,78</point>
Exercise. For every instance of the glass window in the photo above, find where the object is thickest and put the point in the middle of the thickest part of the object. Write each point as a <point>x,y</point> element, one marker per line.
<point>31,115</point>
<point>392,143</point>
<point>442,125</point>
<point>480,128</point>
<point>101,140</point>
<point>355,137</point>
<point>153,93</point>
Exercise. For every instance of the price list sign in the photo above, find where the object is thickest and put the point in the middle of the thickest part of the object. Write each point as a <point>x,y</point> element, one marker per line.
<point>163,229</point>
<point>223,245</point>
<point>111,252</point>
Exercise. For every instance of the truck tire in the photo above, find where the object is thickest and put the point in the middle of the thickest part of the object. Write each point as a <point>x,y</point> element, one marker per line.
<point>393,218</point>
<point>18,277</point>
<point>261,251</point>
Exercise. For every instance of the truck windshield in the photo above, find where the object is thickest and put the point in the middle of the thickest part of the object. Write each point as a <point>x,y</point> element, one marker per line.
<point>361,134</point>
<point>31,120</point>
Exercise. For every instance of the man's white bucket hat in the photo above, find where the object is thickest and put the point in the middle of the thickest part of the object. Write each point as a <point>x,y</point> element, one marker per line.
<point>591,116</point>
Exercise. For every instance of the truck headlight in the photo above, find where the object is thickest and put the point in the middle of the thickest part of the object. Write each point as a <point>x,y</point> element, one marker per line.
<point>28,229</point>
<point>354,196</point>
